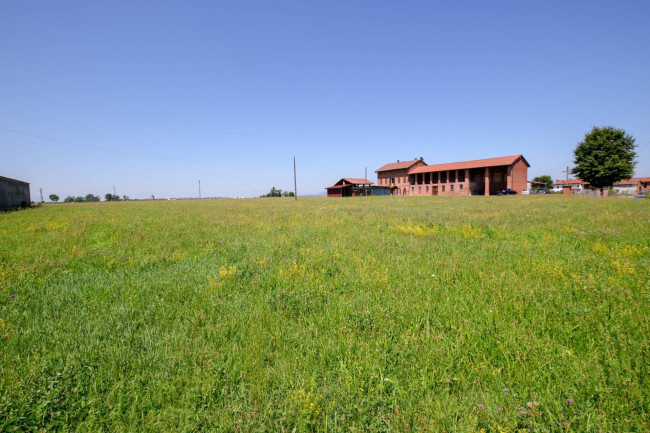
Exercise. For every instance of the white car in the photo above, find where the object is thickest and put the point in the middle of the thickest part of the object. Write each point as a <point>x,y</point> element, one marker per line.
<point>525,191</point>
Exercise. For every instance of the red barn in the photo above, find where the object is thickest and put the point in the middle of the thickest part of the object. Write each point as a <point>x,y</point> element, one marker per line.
<point>349,187</point>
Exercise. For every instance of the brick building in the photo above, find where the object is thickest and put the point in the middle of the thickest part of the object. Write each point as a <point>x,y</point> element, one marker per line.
<point>395,175</point>
<point>478,177</point>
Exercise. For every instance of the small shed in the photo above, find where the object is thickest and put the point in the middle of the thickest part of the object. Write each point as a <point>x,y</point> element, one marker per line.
<point>350,187</point>
<point>13,193</point>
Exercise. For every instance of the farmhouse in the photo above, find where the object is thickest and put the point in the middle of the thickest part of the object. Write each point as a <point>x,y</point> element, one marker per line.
<point>349,187</point>
<point>478,177</point>
<point>576,185</point>
<point>634,186</point>
<point>13,193</point>
<point>395,175</point>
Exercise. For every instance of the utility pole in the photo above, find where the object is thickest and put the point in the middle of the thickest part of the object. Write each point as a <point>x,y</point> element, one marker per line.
<point>295,184</point>
<point>365,177</point>
<point>199,188</point>
<point>41,189</point>
<point>114,194</point>
<point>567,174</point>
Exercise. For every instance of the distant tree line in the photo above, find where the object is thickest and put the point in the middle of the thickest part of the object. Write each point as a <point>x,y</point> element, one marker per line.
<point>276,192</point>
<point>79,199</point>
<point>88,198</point>
<point>111,197</point>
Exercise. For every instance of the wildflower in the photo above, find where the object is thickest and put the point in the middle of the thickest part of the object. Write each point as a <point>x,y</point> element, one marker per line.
<point>522,411</point>
<point>505,389</point>
<point>51,293</point>
<point>58,375</point>
<point>480,406</point>
<point>529,405</point>
<point>570,401</point>
<point>12,296</point>
<point>500,409</point>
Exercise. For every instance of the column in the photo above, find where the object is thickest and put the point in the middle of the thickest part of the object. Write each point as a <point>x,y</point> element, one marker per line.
<point>487,180</point>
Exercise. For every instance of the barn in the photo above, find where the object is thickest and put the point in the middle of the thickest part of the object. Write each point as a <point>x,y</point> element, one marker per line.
<point>13,193</point>
<point>349,187</point>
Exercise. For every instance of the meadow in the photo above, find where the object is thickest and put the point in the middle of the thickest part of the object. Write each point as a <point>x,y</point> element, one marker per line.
<point>457,314</point>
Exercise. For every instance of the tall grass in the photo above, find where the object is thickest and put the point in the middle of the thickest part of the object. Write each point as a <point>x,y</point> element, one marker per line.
<point>494,314</point>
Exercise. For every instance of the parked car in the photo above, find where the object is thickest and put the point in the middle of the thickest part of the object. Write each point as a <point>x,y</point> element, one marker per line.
<point>507,191</point>
<point>527,191</point>
<point>543,191</point>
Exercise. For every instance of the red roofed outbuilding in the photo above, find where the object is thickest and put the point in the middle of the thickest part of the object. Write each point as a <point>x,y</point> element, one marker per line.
<point>349,187</point>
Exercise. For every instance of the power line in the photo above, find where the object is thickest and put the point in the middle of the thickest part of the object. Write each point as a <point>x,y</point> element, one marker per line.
<point>144,155</point>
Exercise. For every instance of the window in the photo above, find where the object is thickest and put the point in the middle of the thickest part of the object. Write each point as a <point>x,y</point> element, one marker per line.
<point>419,189</point>
<point>452,176</point>
<point>451,188</point>
<point>427,188</point>
<point>427,178</point>
<point>412,189</point>
<point>443,177</point>
<point>461,186</point>
<point>435,177</point>
<point>392,181</point>
<point>443,188</point>
<point>461,176</point>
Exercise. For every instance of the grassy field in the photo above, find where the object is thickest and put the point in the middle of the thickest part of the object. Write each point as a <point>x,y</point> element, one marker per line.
<point>496,314</point>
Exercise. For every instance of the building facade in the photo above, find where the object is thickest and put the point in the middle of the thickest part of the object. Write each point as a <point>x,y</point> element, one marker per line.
<point>13,193</point>
<point>576,185</point>
<point>478,177</point>
<point>634,186</point>
<point>350,187</point>
<point>395,175</point>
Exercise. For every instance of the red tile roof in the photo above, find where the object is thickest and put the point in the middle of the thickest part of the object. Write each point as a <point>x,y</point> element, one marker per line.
<point>399,165</point>
<point>478,163</point>
<point>632,181</point>
<point>357,181</point>
<point>350,182</point>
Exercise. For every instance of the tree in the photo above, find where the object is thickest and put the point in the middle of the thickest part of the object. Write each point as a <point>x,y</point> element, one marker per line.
<point>54,197</point>
<point>108,197</point>
<point>78,199</point>
<point>274,193</point>
<point>68,199</point>
<point>546,179</point>
<point>605,156</point>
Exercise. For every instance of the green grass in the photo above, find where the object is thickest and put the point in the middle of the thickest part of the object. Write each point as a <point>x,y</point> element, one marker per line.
<point>369,314</point>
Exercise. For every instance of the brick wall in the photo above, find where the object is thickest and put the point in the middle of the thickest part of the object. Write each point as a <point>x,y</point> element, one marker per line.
<point>519,175</point>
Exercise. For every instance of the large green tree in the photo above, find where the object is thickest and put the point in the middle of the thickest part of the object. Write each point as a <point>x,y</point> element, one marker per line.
<point>605,156</point>
<point>54,197</point>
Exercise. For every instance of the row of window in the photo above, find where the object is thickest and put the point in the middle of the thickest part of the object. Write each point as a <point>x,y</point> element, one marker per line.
<point>438,177</point>
<point>451,188</point>
<point>392,180</point>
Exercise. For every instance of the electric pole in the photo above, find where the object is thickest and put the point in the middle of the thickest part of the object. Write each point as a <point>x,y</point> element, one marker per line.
<point>199,188</point>
<point>41,189</point>
<point>114,191</point>
<point>365,178</point>
<point>567,174</point>
<point>295,184</point>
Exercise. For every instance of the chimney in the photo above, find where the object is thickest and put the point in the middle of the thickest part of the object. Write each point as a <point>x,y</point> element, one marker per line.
<point>421,158</point>
<point>398,160</point>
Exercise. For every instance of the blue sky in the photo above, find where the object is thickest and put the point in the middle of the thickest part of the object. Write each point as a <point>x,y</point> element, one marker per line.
<point>228,92</point>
